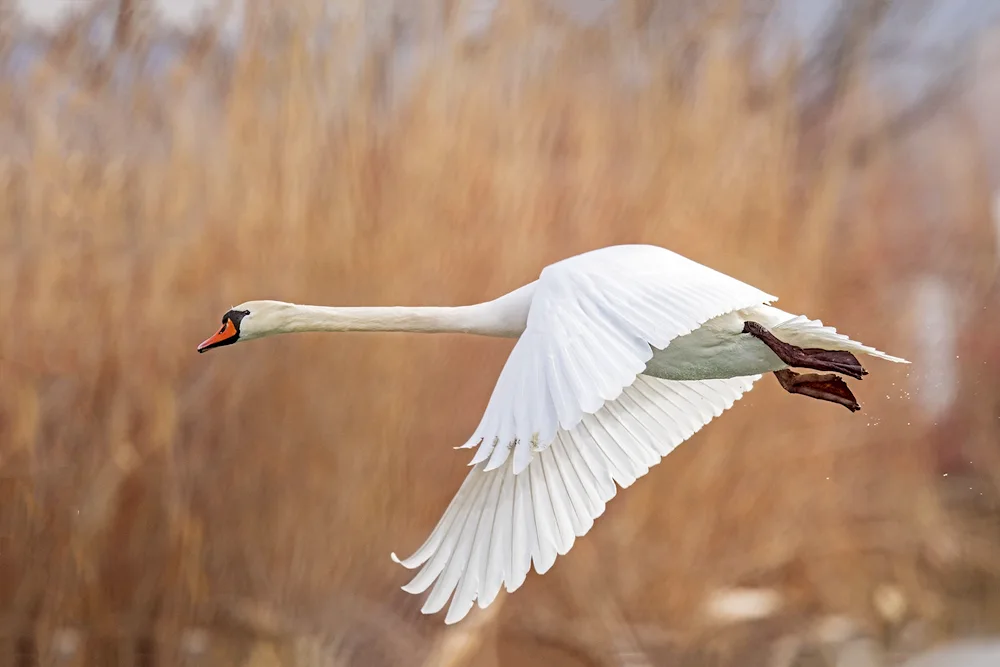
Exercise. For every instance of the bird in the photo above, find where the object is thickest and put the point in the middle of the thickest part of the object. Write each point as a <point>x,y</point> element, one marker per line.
<point>622,353</point>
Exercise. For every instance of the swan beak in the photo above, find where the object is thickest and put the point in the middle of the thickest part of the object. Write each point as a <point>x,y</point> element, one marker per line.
<point>224,336</point>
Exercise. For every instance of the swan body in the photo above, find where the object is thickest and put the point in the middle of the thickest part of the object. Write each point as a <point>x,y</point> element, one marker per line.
<point>622,353</point>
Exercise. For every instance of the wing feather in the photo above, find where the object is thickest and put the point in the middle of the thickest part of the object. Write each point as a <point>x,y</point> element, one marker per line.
<point>593,323</point>
<point>571,418</point>
<point>497,535</point>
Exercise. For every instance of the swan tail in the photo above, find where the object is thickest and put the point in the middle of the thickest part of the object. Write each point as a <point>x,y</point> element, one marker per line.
<point>803,332</point>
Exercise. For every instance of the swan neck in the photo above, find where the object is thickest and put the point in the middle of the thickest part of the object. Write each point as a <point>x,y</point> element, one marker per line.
<point>419,319</point>
<point>504,317</point>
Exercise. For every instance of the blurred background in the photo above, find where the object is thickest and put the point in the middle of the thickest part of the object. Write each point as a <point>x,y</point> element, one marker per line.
<point>163,160</point>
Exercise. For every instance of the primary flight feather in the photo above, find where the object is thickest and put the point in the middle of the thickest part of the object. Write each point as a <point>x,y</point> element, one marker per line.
<point>622,354</point>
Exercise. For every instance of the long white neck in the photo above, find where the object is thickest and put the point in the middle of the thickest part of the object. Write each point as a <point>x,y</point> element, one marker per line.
<point>502,317</point>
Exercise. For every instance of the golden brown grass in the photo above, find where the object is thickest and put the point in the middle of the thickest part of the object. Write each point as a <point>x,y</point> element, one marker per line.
<point>149,495</point>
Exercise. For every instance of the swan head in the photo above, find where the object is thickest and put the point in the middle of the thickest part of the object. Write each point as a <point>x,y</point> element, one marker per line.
<point>249,320</point>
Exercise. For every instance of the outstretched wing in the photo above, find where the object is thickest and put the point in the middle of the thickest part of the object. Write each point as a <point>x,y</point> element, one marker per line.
<point>593,320</point>
<point>571,415</point>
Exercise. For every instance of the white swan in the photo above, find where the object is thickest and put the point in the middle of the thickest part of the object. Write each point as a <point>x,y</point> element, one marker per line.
<point>622,354</point>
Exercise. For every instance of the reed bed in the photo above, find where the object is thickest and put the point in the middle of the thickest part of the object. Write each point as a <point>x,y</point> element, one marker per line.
<point>160,507</point>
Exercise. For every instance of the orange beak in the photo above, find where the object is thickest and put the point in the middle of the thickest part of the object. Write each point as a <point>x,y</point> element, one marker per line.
<point>224,336</point>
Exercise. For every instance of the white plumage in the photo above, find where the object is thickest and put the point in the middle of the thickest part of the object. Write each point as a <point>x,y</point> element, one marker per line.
<point>500,522</point>
<point>572,415</point>
<point>622,354</point>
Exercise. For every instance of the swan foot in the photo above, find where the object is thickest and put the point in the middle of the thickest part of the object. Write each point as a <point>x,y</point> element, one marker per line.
<point>828,387</point>
<point>836,361</point>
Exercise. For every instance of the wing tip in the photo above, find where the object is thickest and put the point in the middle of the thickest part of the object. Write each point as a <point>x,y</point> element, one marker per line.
<point>408,588</point>
<point>405,562</point>
<point>484,602</point>
<point>429,609</point>
<point>879,354</point>
<point>457,613</point>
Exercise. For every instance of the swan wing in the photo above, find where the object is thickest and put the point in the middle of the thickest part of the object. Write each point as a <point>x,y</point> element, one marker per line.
<point>593,322</point>
<point>571,416</point>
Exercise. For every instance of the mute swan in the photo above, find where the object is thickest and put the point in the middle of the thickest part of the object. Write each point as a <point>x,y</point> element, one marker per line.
<point>622,354</point>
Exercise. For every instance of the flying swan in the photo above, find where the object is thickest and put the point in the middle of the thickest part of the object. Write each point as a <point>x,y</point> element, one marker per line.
<point>622,353</point>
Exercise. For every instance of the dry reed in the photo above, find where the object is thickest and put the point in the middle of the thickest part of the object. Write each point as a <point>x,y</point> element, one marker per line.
<point>158,507</point>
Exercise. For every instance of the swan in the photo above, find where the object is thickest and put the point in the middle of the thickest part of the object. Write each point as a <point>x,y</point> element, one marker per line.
<point>622,353</point>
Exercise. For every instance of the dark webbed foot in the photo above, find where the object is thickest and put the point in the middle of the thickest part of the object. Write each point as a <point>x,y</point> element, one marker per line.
<point>828,387</point>
<point>835,361</point>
